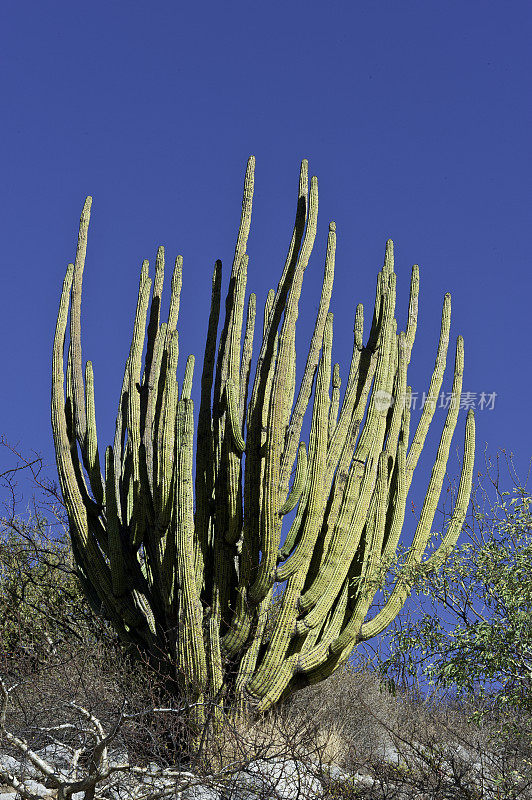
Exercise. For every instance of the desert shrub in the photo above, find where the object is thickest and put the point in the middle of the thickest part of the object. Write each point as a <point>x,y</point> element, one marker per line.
<point>487,591</point>
<point>41,602</point>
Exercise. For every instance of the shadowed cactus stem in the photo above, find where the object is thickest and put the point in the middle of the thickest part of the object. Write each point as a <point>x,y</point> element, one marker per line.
<point>192,585</point>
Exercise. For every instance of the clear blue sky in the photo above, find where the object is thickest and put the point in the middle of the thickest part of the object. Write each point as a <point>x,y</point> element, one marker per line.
<point>414,115</point>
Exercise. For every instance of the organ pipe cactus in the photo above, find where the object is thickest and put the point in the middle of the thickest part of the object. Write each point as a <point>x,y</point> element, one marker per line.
<point>193,583</point>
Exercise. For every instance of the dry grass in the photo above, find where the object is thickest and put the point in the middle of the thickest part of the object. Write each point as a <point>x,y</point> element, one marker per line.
<point>347,721</point>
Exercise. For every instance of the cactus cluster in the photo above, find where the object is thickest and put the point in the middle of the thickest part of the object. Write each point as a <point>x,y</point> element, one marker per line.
<point>195,581</point>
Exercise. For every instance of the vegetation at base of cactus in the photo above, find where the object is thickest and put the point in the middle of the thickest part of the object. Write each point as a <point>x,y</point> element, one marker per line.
<point>193,583</point>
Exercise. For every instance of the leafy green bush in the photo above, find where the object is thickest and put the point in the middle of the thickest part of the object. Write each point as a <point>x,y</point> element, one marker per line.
<point>485,588</point>
<point>41,602</point>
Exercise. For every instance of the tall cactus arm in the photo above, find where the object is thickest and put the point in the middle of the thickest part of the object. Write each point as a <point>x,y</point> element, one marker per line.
<point>376,416</point>
<point>134,368</point>
<point>245,215</point>
<point>228,361</point>
<point>93,458</point>
<point>75,324</point>
<point>268,312</point>
<point>118,445</point>
<point>160,359</point>
<point>204,448</point>
<point>399,505</point>
<point>374,331</point>
<point>229,356</point>
<point>234,421</point>
<point>247,353</point>
<point>316,467</point>
<point>116,554</point>
<point>175,298</point>
<point>398,399</point>
<point>192,661</point>
<point>432,495</point>
<point>68,463</point>
<point>253,488</point>
<point>283,287</point>
<point>186,389</point>
<point>434,390</point>
<point>155,316</point>
<point>270,529</point>
<point>412,311</point>
<point>296,421</point>
<point>59,426</point>
<point>227,463</point>
<point>405,425</point>
<point>152,365</point>
<point>358,346</point>
<point>436,559</point>
<point>335,400</point>
<point>166,465</point>
<point>350,394</point>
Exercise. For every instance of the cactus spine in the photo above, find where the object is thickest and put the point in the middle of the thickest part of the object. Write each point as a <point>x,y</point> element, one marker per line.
<point>193,586</point>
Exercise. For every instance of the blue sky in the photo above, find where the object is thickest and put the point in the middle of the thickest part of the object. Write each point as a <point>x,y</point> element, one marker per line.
<point>414,115</point>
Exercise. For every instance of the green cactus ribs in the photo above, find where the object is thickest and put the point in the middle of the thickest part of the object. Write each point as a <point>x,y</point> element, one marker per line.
<point>194,581</point>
